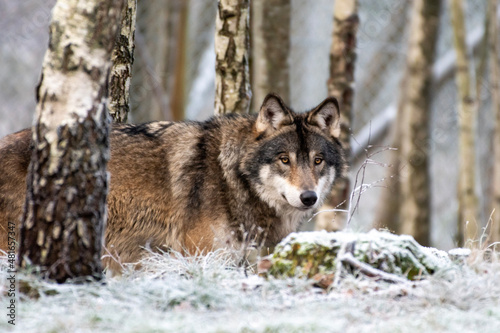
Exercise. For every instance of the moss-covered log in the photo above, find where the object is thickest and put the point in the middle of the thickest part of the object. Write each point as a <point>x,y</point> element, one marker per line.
<point>308,254</point>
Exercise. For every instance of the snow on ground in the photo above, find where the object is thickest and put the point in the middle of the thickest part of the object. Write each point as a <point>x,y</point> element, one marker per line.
<point>210,294</point>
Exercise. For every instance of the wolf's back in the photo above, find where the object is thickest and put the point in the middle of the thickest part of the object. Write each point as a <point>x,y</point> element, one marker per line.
<point>166,188</point>
<point>14,160</point>
<point>197,186</point>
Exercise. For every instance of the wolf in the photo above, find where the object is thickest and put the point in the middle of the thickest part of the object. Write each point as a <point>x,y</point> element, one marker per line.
<point>194,187</point>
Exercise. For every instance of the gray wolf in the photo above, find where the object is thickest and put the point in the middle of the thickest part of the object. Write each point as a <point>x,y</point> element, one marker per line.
<point>197,186</point>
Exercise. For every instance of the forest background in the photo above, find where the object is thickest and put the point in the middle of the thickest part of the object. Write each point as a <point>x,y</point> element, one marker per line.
<point>173,78</point>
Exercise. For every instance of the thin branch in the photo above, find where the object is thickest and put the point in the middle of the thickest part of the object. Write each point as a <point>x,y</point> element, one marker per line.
<point>370,271</point>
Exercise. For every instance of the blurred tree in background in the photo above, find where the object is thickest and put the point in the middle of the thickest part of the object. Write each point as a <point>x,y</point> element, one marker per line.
<point>405,207</point>
<point>174,78</point>
<point>271,23</point>
<point>341,86</point>
<point>494,57</point>
<point>159,73</point>
<point>468,214</point>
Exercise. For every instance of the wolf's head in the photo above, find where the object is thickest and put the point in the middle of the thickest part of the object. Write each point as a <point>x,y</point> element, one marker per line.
<point>297,157</point>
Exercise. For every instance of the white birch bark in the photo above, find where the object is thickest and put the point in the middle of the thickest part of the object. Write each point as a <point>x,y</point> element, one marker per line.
<point>122,58</point>
<point>65,211</point>
<point>232,79</point>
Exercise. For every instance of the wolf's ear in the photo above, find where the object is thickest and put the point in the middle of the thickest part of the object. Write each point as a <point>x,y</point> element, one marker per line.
<point>326,116</point>
<point>273,114</point>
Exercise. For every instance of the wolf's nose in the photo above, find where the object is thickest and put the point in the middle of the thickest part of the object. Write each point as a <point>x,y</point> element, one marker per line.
<point>308,198</point>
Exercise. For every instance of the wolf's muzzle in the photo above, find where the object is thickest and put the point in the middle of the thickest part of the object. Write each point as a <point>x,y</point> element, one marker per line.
<point>308,198</point>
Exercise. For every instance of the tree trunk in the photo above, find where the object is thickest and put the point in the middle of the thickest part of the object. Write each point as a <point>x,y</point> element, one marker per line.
<point>65,210</point>
<point>481,56</point>
<point>406,203</point>
<point>415,186</point>
<point>387,215</point>
<point>271,48</point>
<point>494,50</point>
<point>232,81</point>
<point>341,86</point>
<point>467,198</point>
<point>157,92</point>
<point>122,58</point>
<point>177,61</point>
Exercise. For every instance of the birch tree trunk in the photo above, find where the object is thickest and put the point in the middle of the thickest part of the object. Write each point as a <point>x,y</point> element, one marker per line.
<point>415,186</point>
<point>341,86</point>
<point>232,80</point>
<point>494,50</point>
<point>271,21</point>
<point>65,209</point>
<point>467,198</point>
<point>121,72</point>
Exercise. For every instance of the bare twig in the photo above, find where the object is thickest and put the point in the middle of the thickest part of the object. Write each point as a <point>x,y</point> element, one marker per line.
<point>370,271</point>
<point>362,188</point>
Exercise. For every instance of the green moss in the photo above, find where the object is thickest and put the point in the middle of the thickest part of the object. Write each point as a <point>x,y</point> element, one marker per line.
<point>309,253</point>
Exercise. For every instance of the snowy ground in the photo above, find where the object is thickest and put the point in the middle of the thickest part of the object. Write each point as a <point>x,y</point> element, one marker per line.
<point>211,295</point>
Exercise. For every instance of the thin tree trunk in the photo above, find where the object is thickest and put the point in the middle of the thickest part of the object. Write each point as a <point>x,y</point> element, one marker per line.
<point>390,203</point>
<point>405,207</point>
<point>494,49</point>
<point>121,72</point>
<point>271,47</point>
<point>341,86</point>
<point>232,82</point>
<point>415,187</point>
<point>467,198</point>
<point>177,85</point>
<point>65,210</point>
<point>387,215</point>
<point>153,76</point>
<point>482,56</point>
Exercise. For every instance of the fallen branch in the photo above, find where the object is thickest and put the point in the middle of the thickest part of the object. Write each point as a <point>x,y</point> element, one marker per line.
<point>370,271</point>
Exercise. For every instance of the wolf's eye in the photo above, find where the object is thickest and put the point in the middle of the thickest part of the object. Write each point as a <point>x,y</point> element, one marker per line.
<point>285,160</point>
<point>318,160</point>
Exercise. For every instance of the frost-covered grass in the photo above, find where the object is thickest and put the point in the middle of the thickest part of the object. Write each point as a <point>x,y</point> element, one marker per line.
<point>211,294</point>
<point>321,252</point>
